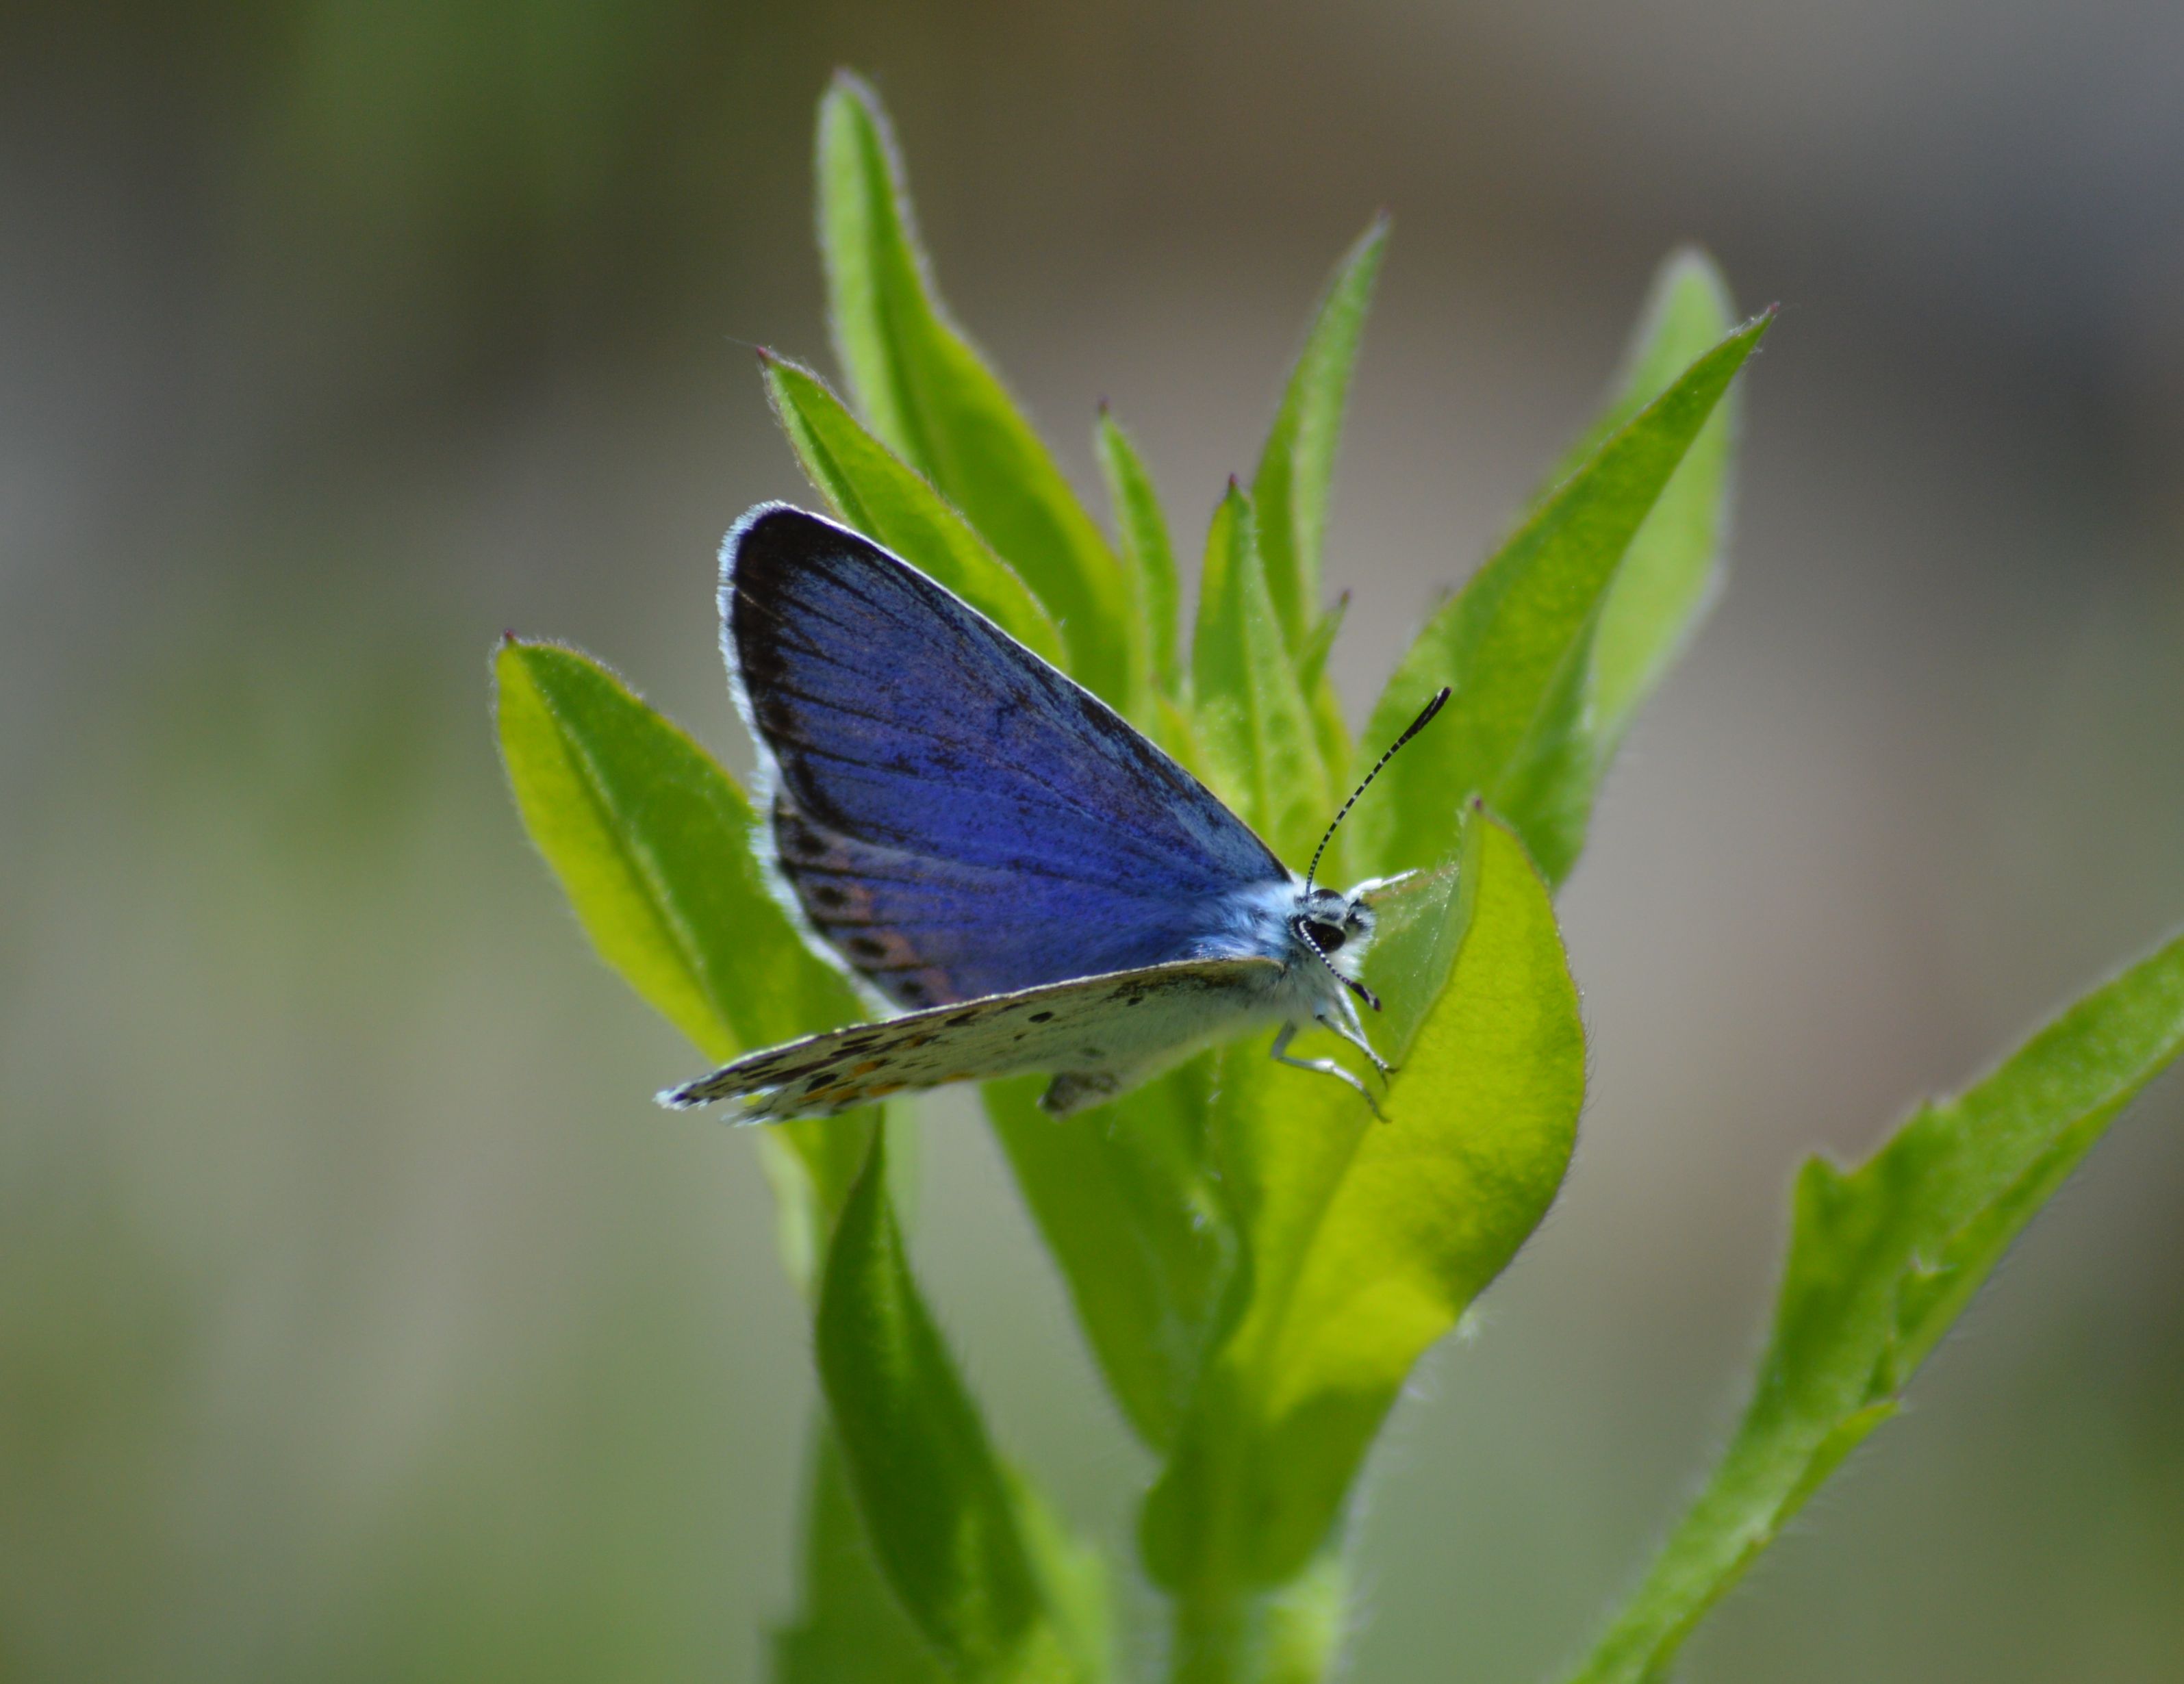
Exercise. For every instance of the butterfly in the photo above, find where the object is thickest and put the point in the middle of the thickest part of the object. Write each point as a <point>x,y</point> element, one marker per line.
<point>998,853</point>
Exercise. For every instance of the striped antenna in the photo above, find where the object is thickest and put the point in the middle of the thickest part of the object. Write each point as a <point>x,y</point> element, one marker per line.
<point>1410,731</point>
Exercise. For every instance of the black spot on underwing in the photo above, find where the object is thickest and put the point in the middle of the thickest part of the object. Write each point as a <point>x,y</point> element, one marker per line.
<point>1041,1017</point>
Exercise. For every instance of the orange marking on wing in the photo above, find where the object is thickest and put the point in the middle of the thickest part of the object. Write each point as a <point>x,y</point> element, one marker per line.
<point>866,1068</point>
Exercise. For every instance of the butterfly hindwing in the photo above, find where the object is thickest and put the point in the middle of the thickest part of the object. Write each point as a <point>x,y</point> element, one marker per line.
<point>957,818</point>
<point>1097,1034</point>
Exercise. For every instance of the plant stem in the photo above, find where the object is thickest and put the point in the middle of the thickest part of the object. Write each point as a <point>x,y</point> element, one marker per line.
<point>1211,1636</point>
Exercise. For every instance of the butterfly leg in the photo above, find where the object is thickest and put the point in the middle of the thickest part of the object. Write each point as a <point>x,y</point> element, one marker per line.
<point>1344,1022</point>
<point>1280,1055</point>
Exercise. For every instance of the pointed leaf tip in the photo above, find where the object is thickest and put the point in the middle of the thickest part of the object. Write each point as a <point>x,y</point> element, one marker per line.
<point>923,389</point>
<point>651,842</point>
<point>1296,466</point>
<point>875,491</point>
<point>1253,719</point>
<point>1545,675</point>
<point>1147,559</point>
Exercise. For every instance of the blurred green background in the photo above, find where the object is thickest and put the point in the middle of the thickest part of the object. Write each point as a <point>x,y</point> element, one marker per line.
<point>359,1316</point>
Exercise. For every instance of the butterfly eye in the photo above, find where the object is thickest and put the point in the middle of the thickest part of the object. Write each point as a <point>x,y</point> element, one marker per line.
<point>1327,938</point>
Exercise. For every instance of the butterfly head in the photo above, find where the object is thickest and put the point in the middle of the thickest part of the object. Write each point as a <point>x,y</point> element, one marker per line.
<point>1331,922</point>
<point>1333,928</point>
<point>1326,923</point>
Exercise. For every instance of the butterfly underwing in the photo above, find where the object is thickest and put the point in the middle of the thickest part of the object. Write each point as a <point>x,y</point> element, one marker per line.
<point>990,846</point>
<point>1094,1030</point>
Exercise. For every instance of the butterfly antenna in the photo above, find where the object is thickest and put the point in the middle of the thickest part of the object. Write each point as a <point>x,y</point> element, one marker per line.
<point>1410,731</point>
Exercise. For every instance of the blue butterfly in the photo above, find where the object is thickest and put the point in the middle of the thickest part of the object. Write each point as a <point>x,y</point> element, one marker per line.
<point>997,851</point>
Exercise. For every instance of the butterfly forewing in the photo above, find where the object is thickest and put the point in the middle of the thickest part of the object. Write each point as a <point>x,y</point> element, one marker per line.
<point>957,818</point>
<point>1098,1034</point>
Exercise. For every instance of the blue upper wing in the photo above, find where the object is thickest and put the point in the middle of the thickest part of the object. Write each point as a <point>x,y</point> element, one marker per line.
<point>956,817</point>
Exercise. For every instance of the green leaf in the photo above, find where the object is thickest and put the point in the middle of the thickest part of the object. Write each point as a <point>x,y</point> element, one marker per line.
<point>1514,643</point>
<point>1297,466</point>
<point>883,497</point>
<point>1882,1259</point>
<point>851,1628</point>
<point>650,837</point>
<point>1146,551</point>
<point>1319,643</point>
<point>1254,725</point>
<point>1367,1241</point>
<point>1123,1200</point>
<point>928,393</point>
<point>1177,732</point>
<point>1673,566</point>
<point>651,842</point>
<point>1290,493</point>
<point>1330,728</point>
<point>1662,586</point>
<point>977,1572</point>
<point>1549,784</point>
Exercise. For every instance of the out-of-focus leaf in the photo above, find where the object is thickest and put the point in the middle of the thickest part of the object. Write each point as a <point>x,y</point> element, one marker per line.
<point>1318,643</point>
<point>1367,1241</point>
<point>1290,490</point>
<point>928,393</point>
<point>1146,551</point>
<point>1290,494</point>
<point>1255,726</point>
<point>651,840</point>
<point>1662,585</point>
<point>1330,728</point>
<point>875,492</point>
<point>851,1628</point>
<point>1882,1260</point>
<point>1507,642</point>
<point>1122,1199</point>
<point>945,1520</point>
<point>1558,768</point>
<point>1073,1582</point>
<point>1673,566</point>
<point>1173,729</point>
